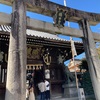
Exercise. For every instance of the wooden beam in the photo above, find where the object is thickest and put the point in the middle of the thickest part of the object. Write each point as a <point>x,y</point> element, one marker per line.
<point>48,8</point>
<point>96,37</point>
<point>5,19</point>
<point>6,2</point>
<point>47,27</point>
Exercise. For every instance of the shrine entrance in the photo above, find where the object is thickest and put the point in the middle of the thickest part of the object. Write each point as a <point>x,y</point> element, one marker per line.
<point>37,73</point>
<point>37,62</point>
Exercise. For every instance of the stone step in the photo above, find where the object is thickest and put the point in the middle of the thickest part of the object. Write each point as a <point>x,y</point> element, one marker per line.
<point>60,98</point>
<point>90,97</point>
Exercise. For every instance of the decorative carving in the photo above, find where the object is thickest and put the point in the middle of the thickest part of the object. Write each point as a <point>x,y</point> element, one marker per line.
<point>34,52</point>
<point>62,56</point>
<point>47,59</point>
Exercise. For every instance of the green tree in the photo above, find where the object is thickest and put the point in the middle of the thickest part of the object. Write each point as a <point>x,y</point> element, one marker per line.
<point>84,65</point>
<point>86,80</point>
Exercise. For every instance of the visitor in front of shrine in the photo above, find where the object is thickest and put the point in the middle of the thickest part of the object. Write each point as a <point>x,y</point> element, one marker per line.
<point>31,91</point>
<point>47,92</point>
<point>30,87</point>
<point>27,90</point>
<point>42,89</point>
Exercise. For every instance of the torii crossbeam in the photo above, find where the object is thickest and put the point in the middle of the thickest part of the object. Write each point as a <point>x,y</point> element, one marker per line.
<point>49,8</point>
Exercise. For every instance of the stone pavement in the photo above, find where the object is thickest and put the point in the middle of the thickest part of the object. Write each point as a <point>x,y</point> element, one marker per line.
<point>91,97</point>
<point>59,97</point>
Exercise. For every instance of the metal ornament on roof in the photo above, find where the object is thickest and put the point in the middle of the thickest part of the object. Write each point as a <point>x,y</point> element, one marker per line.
<point>59,18</point>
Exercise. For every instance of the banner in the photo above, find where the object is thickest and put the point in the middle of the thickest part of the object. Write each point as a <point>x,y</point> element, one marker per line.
<point>73,49</point>
<point>65,3</point>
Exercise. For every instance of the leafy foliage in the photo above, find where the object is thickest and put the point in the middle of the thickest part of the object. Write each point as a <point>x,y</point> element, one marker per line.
<point>84,64</point>
<point>86,80</point>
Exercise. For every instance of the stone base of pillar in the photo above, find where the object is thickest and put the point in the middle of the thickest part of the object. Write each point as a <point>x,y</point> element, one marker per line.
<point>2,96</point>
<point>70,90</point>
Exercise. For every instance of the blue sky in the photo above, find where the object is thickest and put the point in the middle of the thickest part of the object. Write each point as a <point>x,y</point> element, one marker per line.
<point>85,5</point>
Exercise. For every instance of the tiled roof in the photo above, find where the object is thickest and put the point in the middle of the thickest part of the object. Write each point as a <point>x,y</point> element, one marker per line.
<point>5,28</point>
<point>43,35</point>
<point>34,33</point>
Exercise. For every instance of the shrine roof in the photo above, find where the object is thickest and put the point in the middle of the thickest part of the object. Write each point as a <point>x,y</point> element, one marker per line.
<point>34,33</point>
<point>43,39</point>
<point>44,35</point>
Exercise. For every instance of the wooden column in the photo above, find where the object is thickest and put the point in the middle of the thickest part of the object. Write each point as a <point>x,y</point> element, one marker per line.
<point>92,57</point>
<point>16,73</point>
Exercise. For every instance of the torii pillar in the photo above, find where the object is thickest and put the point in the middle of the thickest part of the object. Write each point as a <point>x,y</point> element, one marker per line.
<point>92,57</point>
<point>16,70</point>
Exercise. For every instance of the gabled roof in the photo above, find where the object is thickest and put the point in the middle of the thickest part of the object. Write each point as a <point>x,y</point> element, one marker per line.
<point>44,35</point>
<point>43,39</point>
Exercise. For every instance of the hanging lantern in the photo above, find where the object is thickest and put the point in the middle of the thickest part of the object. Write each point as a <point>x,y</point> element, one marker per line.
<point>59,18</point>
<point>47,74</point>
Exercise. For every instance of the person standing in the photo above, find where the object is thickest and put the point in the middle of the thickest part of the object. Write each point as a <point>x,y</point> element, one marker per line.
<point>27,90</point>
<point>47,92</point>
<point>30,87</point>
<point>31,94</point>
<point>42,88</point>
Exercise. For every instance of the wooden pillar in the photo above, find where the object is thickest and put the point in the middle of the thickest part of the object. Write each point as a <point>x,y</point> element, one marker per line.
<point>92,57</point>
<point>16,73</point>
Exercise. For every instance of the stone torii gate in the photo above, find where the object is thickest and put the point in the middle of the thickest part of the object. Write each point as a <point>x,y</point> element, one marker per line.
<point>16,75</point>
